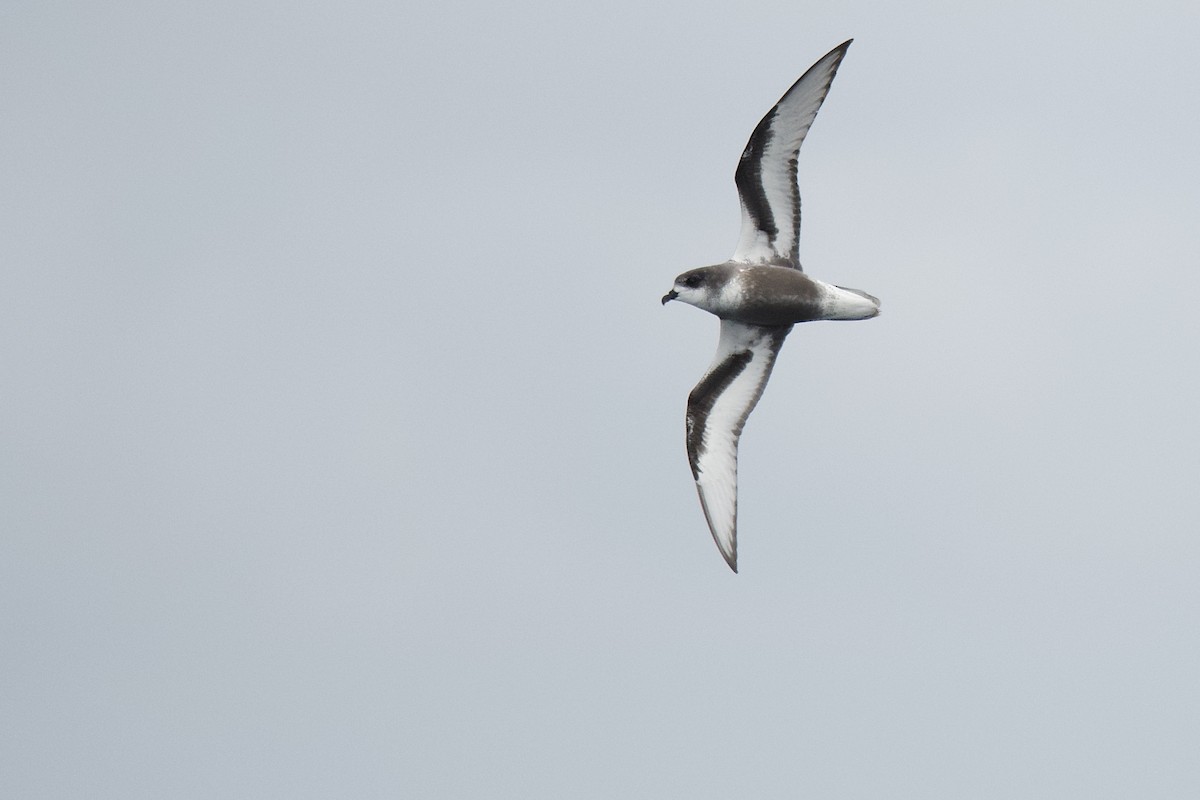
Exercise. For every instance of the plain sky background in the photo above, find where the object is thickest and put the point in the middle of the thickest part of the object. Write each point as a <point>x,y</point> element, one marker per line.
<point>342,449</point>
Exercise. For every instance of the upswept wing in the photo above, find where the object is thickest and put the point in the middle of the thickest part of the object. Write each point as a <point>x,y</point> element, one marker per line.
<point>717,410</point>
<point>766,174</point>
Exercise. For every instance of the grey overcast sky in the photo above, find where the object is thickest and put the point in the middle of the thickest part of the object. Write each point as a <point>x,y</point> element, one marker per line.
<point>342,449</point>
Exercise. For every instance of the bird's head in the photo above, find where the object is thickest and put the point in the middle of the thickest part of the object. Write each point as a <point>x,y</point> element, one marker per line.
<point>699,287</point>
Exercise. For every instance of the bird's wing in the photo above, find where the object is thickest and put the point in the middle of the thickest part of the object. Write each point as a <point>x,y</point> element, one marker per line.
<point>766,174</point>
<point>717,410</point>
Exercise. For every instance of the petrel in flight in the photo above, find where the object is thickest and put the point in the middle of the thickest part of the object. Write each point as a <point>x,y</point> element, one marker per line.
<point>759,294</point>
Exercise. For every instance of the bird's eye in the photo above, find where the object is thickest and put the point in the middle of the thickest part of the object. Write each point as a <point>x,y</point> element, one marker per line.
<point>692,281</point>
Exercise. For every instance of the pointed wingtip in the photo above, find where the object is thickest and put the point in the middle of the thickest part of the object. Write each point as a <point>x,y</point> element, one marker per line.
<point>728,553</point>
<point>731,557</point>
<point>840,50</point>
<point>727,548</point>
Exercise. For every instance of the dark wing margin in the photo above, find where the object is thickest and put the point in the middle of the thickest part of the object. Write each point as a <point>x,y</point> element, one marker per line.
<point>717,411</point>
<point>766,173</point>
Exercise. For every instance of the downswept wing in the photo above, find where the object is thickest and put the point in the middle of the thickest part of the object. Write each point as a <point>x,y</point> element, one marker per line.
<point>717,410</point>
<point>766,174</point>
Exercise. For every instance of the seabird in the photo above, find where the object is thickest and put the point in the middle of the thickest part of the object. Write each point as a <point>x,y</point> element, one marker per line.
<point>759,294</point>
